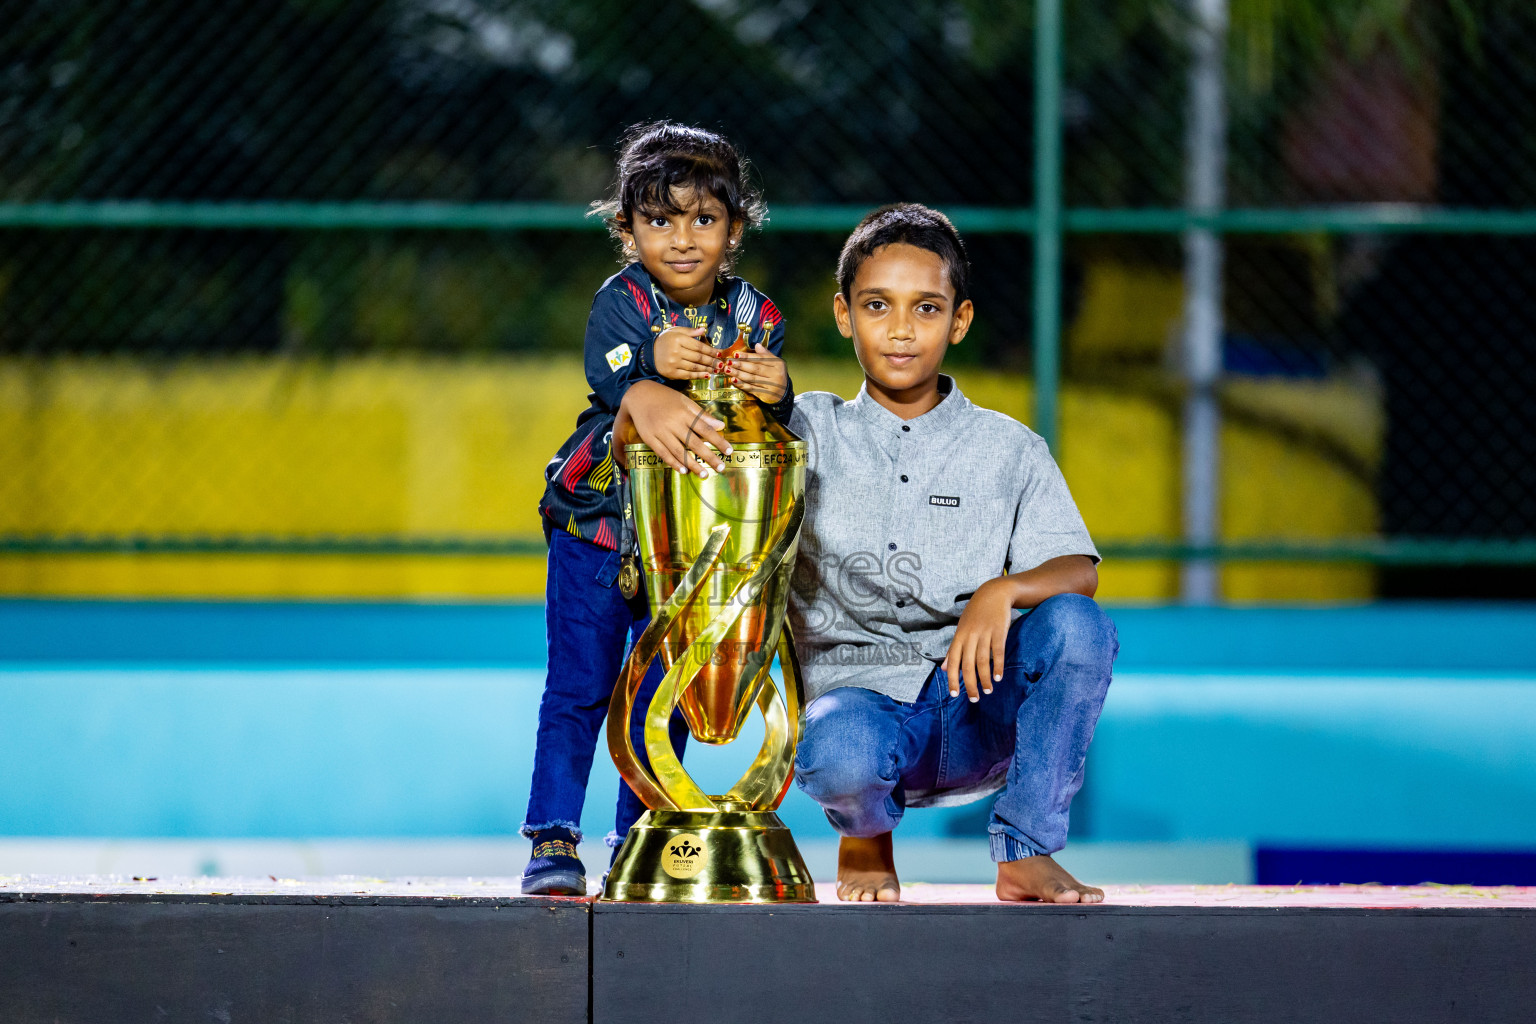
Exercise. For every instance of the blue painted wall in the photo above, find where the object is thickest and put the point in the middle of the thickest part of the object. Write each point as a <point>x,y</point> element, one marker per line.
<point>1421,762</point>
<point>1385,725</point>
<point>1398,637</point>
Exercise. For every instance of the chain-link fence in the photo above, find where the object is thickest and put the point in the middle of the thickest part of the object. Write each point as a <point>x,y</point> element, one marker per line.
<point>310,275</point>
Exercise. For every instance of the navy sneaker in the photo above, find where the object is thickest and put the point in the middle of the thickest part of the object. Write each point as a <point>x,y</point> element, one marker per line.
<point>554,869</point>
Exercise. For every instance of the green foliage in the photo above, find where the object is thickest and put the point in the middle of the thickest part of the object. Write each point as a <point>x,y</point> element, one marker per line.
<point>490,100</point>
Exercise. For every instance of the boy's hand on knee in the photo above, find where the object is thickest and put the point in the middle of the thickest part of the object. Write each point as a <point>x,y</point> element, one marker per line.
<point>975,658</point>
<point>976,655</point>
<point>681,355</point>
<point>672,425</point>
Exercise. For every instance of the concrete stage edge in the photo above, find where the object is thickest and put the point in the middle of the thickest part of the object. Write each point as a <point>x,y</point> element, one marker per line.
<point>93,949</point>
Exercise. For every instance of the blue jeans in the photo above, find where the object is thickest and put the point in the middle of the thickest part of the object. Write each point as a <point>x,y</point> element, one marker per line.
<point>590,625</point>
<point>863,751</point>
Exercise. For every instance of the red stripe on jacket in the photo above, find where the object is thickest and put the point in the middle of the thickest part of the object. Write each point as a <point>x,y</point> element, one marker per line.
<point>576,466</point>
<point>641,302</point>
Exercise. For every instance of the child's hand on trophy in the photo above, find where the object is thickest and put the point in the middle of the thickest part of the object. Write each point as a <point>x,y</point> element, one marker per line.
<point>670,424</point>
<point>682,354</point>
<point>760,374</point>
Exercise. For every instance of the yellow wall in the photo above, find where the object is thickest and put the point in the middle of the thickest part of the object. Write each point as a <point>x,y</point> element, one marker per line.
<point>427,447</point>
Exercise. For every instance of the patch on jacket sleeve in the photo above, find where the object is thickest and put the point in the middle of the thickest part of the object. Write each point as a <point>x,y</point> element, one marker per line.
<point>618,357</point>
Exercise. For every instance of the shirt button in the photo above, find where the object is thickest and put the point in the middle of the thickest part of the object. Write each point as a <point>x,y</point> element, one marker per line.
<point>892,545</point>
<point>901,604</point>
<point>905,427</point>
<point>903,478</point>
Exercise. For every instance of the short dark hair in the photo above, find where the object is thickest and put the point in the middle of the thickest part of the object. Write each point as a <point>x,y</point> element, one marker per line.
<point>916,225</point>
<point>657,157</point>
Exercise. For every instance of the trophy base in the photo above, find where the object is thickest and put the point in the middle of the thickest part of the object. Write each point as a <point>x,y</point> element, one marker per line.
<point>709,857</point>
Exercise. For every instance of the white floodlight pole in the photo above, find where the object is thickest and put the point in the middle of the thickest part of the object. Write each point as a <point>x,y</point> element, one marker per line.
<point>1206,152</point>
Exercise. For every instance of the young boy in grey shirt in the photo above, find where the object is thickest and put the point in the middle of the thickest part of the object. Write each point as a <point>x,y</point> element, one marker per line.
<point>930,523</point>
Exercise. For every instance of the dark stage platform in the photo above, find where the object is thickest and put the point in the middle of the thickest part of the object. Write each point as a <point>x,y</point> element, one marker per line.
<point>343,949</point>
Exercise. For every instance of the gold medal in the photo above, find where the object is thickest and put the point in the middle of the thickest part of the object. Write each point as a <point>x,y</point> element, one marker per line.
<point>629,577</point>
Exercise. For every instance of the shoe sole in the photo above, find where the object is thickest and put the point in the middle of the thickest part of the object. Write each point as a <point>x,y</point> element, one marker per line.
<point>555,883</point>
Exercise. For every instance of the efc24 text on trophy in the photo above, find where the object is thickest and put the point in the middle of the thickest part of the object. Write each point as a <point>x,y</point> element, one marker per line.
<point>718,554</point>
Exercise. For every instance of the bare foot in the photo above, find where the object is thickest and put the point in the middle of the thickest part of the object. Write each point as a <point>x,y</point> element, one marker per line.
<point>1041,878</point>
<point>866,870</point>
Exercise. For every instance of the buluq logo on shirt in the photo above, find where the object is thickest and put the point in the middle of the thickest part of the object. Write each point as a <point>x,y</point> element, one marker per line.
<point>618,357</point>
<point>947,501</point>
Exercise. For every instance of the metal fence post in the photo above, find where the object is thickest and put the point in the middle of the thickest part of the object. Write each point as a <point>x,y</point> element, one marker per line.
<point>1205,145</point>
<point>1047,285</point>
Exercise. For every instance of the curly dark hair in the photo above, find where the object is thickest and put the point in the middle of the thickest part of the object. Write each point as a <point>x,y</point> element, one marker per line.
<point>916,225</point>
<point>657,157</point>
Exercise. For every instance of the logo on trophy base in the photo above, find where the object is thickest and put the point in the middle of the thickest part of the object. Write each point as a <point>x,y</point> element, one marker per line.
<point>685,856</point>
<point>718,554</point>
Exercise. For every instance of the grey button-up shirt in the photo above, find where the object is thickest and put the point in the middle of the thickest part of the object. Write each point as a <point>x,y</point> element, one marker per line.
<point>904,520</point>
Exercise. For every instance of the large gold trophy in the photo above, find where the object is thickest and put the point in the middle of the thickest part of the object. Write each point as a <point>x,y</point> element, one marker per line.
<point>718,553</point>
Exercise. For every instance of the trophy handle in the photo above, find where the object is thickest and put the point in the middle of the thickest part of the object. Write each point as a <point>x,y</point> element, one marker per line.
<point>767,780</point>
<point>669,771</point>
<point>755,669</point>
<point>668,780</point>
<point>621,706</point>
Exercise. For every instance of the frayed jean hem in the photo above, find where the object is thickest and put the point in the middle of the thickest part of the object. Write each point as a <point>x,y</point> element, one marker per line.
<point>526,830</point>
